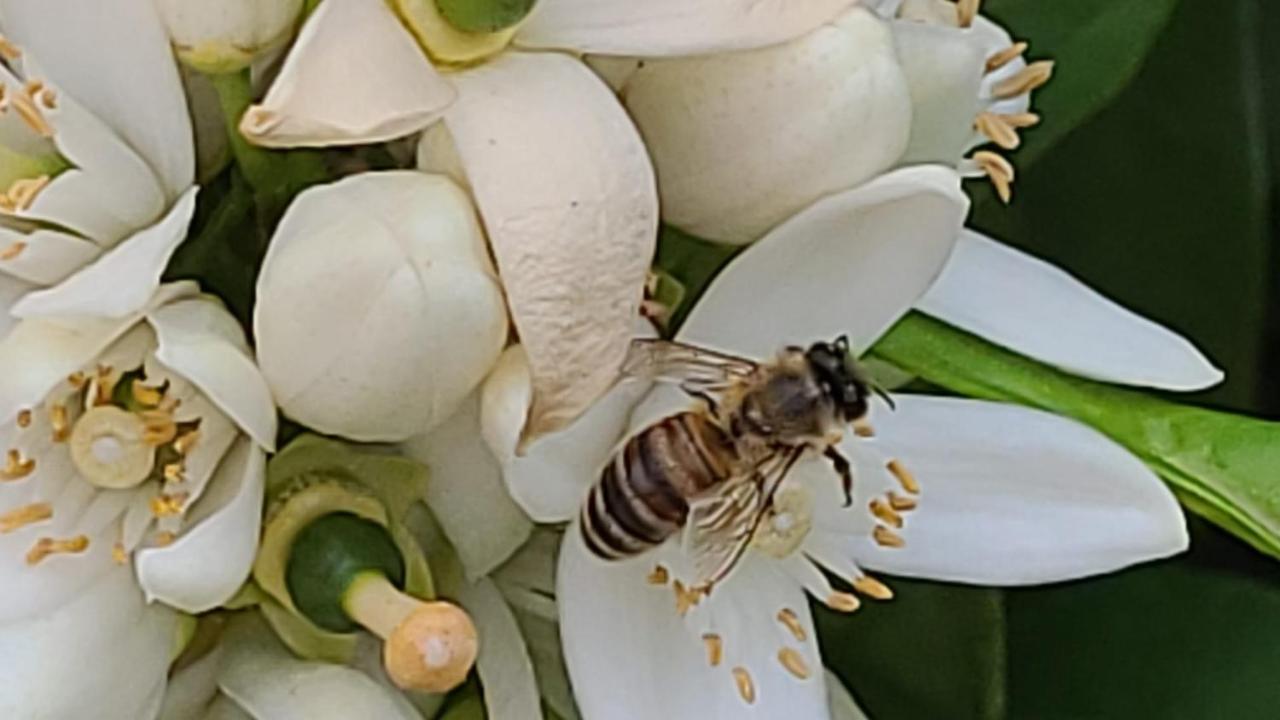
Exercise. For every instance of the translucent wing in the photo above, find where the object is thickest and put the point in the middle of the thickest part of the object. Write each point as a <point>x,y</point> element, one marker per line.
<point>719,528</point>
<point>697,370</point>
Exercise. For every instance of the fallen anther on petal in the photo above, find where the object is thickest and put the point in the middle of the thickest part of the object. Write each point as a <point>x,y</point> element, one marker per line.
<point>794,662</point>
<point>715,649</point>
<point>14,250</point>
<point>994,128</point>
<point>657,576</point>
<point>872,588</point>
<point>15,467</point>
<point>165,538</point>
<point>44,547</point>
<point>887,538</point>
<point>23,192</point>
<point>788,618</point>
<point>8,50</point>
<point>1005,56</point>
<point>60,423</point>
<point>904,476</point>
<point>746,686</point>
<point>885,513</point>
<point>901,503</point>
<point>1027,79</point>
<point>966,11</point>
<point>843,602</point>
<point>1021,120</point>
<point>999,170</point>
<point>24,418</point>
<point>26,515</point>
<point>118,554</point>
<point>686,598</point>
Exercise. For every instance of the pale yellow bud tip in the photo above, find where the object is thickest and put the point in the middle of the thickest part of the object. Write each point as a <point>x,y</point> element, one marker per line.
<point>432,649</point>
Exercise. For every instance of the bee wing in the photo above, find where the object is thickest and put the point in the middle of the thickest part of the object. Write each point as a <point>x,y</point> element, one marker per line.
<point>696,369</point>
<point>719,528</point>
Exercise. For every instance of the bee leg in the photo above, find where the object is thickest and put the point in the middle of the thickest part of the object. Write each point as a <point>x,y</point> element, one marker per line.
<point>844,469</point>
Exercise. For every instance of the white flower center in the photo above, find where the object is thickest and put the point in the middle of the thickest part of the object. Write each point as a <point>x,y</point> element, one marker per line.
<point>107,448</point>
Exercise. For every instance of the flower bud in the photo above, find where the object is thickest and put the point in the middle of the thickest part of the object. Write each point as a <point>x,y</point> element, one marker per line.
<point>743,140</point>
<point>378,307</point>
<point>219,36</point>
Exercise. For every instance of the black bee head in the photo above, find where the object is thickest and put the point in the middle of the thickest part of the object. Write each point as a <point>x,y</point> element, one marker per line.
<point>840,377</point>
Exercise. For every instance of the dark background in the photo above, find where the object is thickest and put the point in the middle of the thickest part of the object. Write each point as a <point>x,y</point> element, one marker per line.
<point>1153,178</point>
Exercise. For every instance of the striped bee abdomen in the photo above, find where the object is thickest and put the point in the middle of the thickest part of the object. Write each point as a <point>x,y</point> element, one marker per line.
<point>641,498</point>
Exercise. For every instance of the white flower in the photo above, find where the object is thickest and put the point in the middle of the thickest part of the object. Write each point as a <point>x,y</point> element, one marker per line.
<point>378,309</point>
<point>133,474</point>
<point>221,36</point>
<point>949,489</point>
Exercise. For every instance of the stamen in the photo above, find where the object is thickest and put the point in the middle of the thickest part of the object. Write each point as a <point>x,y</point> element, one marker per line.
<point>995,128</point>
<point>168,505</point>
<point>999,170</point>
<point>843,601</point>
<point>794,662</point>
<point>15,467</point>
<point>15,248</point>
<point>887,538</point>
<point>22,193</point>
<point>1021,120</point>
<point>145,394</point>
<point>173,473</point>
<point>24,418</point>
<point>788,618</point>
<point>657,576</point>
<point>1005,56</point>
<point>885,513</point>
<point>165,537</point>
<point>900,503</point>
<point>30,114</point>
<point>686,598</point>
<point>872,588</point>
<point>186,441</point>
<point>105,384</point>
<point>159,427</point>
<point>45,547</point>
<point>904,476</point>
<point>863,429</point>
<point>746,687</point>
<point>24,516</point>
<point>60,423</point>
<point>118,554</point>
<point>715,649</point>
<point>966,11</point>
<point>1028,78</point>
<point>77,380</point>
<point>8,50</point>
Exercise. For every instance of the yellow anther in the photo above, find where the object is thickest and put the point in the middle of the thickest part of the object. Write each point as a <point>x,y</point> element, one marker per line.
<point>159,427</point>
<point>1005,56</point>
<point>1022,120</point>
<point>14,249</point>
<point>863,429</point>
<point>1027,79</point>
<point>24,516</point>
<point>77,380</point>
<point>885,513</point>
<point>119,555</point>
<point>8,50</point>
<point>658,576</point>
<point>872,588</point>
<point>173,473</point>
<point>164,538</point>
<point>145,394</point>
<point>746,686</point>
<point>887,538</point>
<point>45,547</point>
<point>24,418</point>
<point>998,170</point>
<point>904,476</point>
<point>788,618</point>
<point>966,11</point>
<point>30,114</point>
<point>186,441</point>
<point>793,661</point>
<point>715,649</point>
<point>21,194</point>
<point>168,505</point>
<point>843,602</point>
<point>60,423</point>
<point>900,503</point>
<point>15,467</point>
<point>104,384</point>
<point>997,130</point>
<point>686,598</point>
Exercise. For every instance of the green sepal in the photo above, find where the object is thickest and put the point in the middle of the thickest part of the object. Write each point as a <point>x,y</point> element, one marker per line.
<point>484,16</point>
<point>326,558</point>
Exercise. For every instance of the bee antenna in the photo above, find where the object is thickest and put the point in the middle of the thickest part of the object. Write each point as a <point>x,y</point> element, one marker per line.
<point>884,395</point>
<point>842,343</point>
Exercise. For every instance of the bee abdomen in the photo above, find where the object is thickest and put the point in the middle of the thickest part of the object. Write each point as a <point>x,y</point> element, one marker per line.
<point>639,500</point>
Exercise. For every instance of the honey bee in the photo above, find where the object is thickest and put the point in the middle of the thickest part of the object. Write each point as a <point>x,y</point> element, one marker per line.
<point>712,470</point>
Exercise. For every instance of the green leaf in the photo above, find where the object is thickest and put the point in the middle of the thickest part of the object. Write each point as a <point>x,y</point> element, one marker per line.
<point>1227,465</point>
<point>1099,47</point>
<point>934,651</point>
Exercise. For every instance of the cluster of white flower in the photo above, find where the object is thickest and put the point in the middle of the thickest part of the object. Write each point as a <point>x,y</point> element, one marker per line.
<point>473,308</point>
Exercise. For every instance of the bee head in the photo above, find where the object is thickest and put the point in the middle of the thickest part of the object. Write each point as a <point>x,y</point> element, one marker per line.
<point>840,377</point>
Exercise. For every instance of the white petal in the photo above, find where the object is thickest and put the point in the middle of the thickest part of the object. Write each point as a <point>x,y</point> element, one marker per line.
<point>1038,310</point>
<point>48,257</point>
<point>843,706</point>
<point>506,672</point>
<point>567,196</point>
<point>199,340</point>
<point>209,561</point>
<point>38,354</point>
<point>378,308</point>
<point>944,68</point>
<point>1012,496</point>
<point>671,27</point>
<point>121,281</point>
<point>355,75</point>
<point>11,289</point>
<point>466,493</point>
<point>192,688</point>
<point>104,655</point>
<point>851,264</point>
<point>631,656</point>
<point>742,141</point>
<point>549,480</point>
<point>264,679</point>
<point>129,80</point>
